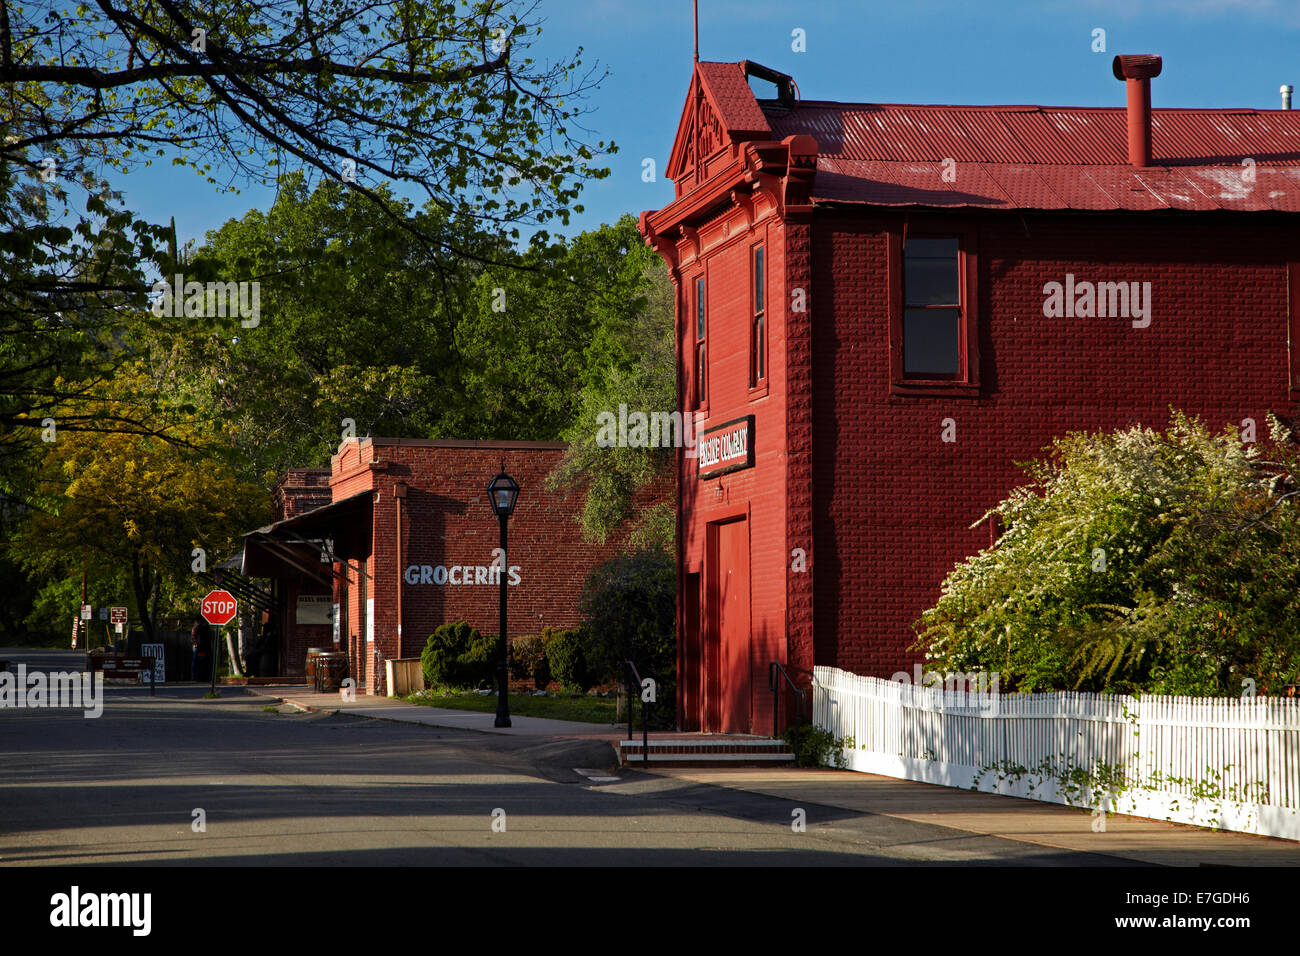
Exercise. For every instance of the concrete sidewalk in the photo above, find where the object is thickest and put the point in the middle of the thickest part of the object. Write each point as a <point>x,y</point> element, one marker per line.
<point>1046,824</point>
<point>1147,841</point>
<point>388,708</point>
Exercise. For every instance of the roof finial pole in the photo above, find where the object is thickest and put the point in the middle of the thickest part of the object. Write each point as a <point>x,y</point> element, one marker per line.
<point>695,5</point>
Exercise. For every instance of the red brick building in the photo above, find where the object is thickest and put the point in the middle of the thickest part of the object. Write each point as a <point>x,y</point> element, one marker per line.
<point>403,540</point>
<point>880,308</point>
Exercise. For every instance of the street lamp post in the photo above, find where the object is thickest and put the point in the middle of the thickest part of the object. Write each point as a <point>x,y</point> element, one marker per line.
<point>503,492</point>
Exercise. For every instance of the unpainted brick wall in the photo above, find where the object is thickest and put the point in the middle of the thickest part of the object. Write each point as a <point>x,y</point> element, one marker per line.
<point>446,521</point>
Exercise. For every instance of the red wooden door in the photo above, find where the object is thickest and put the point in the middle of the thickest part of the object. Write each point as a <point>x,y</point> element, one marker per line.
<point>729,620</point>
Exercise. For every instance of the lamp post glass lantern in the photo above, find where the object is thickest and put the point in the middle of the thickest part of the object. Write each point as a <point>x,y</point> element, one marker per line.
<point>503,492</point>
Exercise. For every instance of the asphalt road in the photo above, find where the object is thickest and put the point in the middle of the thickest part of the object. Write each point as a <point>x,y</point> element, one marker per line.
<point>328,790</point>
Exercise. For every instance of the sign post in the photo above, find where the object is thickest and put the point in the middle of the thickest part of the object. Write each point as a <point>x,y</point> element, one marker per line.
<point>80,627</point>
<point>218,609</point>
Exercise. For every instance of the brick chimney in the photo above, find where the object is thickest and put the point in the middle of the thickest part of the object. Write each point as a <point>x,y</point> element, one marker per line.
<point>1137,71</point>
<point>299,490</point>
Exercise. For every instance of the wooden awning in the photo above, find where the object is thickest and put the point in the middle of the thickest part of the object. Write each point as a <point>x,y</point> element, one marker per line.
<point>308,544</point>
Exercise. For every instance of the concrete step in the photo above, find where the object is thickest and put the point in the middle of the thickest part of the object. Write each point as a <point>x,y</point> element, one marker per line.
<point>706,752</point>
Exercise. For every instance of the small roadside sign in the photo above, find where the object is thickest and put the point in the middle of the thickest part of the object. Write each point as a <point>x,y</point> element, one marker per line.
<point>156,652</point>
<point>118,615</point>
<point>87,611</point>
<point>103,614</point>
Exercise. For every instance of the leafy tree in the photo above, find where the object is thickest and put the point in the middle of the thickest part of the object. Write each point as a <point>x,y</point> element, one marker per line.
<point>70,286</point>
<point>438,99</point>
<point>135,504</point>
<point>633,364</point>
<point>629,613</point>
<point>540,332</point>
<point>350,327</point>
<point>1136,561</point>
<point>440,96</point>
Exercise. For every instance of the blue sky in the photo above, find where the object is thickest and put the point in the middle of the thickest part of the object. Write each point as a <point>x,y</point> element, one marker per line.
<point>1216,53</point>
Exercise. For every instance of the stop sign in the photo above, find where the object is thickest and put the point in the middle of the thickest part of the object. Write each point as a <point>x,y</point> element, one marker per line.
<point>218,607</point>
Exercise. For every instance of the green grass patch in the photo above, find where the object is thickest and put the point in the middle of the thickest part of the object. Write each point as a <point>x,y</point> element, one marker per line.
<point>580,707</point>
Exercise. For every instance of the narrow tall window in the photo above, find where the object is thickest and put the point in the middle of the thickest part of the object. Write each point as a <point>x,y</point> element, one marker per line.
<point>700,359</point>
<point>759,342</point>
<point>932,309</point>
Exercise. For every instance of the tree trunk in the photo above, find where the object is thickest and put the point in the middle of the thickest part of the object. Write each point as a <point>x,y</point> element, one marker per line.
<point>230,652</point>
<point>139,576</point>
<point>151,622</point>
<point>236,638</point>
<point>245,627</point>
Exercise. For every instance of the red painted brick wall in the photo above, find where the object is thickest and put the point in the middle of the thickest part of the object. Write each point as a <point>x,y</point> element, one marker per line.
<point>858,477</point>
<point>893,503</point>
<point>759,494</point>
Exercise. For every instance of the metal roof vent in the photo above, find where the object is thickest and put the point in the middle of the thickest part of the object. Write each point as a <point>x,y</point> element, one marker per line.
<point>1137,70</point>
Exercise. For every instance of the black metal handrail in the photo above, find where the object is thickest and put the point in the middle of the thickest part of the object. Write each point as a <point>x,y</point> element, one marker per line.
<point>634,691</point>
<point>775,687</point>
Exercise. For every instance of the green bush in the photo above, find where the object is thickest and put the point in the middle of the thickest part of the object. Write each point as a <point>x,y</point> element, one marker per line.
<point>480,661</point>
<point>1136,562</point>
<point>528,659</point>
<point>815,747</point>
<point>457,655</point>
<point>567,658</point>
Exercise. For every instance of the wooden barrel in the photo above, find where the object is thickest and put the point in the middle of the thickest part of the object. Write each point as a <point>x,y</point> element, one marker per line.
<point>310,670</point>
<point>331,669</point>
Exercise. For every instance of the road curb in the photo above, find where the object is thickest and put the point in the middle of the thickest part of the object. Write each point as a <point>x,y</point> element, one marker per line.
<point>557,754</point>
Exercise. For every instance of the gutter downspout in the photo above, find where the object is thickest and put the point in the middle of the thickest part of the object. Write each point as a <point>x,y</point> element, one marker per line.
<point>399,493</point>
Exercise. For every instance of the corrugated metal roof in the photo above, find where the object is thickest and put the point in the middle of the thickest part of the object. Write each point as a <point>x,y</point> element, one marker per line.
<point>1031,157</point>
<point>1044,186</point>
<point>1075,136</point>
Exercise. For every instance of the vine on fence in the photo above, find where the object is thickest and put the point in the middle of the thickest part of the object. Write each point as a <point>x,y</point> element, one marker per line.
<point>1073,781</point>
<point>1101,786</point>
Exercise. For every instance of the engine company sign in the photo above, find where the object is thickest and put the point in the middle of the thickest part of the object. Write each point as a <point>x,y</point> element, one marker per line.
<point>727,447</point>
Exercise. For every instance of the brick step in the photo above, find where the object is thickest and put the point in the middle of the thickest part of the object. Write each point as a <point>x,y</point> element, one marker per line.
<point>704,753</point>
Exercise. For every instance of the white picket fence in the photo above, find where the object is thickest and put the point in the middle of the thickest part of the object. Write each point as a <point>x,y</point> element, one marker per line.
<point>1225,763</point>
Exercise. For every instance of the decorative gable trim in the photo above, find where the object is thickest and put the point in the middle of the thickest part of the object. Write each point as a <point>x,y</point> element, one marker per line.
<point>712,119</point>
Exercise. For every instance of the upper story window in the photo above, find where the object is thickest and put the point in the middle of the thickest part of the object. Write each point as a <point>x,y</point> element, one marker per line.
<point>931,309</point>
<point>700,350</point>
<point>933,334</point>
<point>758,333</point>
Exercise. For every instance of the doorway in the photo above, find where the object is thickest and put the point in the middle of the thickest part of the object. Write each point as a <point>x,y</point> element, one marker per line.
<point>728,705</point>
<point>691,669</point>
